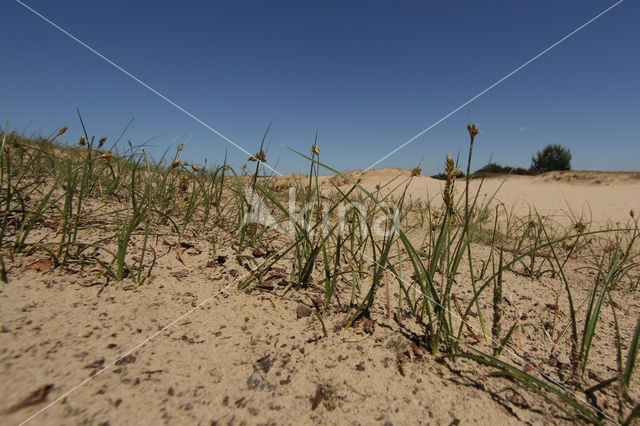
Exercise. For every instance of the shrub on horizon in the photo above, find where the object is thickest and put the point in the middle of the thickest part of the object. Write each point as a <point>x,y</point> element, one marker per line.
<point>492,169</point>
<point>443,176</point>
<point>552,157</point>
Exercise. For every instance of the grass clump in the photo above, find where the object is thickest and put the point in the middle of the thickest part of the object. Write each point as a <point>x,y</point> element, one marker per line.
<point>451,259</point>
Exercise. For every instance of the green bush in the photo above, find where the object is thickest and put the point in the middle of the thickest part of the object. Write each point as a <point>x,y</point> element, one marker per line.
<point>552,157</point>
<point>492,169</point>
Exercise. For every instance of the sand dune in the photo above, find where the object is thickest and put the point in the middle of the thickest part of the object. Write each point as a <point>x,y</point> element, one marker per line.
<point>603,199</point>
<point>187,348</point>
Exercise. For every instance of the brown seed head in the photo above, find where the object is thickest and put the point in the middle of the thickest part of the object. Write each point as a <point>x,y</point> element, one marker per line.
<point>180,147</point>
<point>175,163</point>
<point>82,141</point>
<point>450,168</point>
<point>632,213</point>
<point>450,171</point>
<point>261,156</point>
<point>62,130</point>
<point>416,172</point>
<point>195,168</point>
<point>315,149</point>
<point>101,142</point>
<point>473,131</point>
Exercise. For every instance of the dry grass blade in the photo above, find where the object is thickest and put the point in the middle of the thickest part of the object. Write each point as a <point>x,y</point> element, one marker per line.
<point>181,257</point>
<point>466,322</point>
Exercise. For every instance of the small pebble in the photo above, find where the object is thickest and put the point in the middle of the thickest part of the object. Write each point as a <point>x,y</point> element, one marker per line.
<point>303,311</point>
<point>256,381</point>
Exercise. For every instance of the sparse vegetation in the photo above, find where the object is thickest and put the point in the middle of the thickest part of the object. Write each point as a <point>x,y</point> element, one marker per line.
<point>52,196</point>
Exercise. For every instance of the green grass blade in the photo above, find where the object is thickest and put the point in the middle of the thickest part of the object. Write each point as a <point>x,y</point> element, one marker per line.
<point>631,357</point>
<point>505,340</point>
<point>594,316</point>
<point>532,383</point>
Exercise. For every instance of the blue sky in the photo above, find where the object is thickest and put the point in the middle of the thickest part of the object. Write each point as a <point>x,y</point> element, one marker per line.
<point>366,76</point>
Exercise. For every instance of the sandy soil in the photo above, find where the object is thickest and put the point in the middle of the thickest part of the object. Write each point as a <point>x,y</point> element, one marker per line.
<point>187,347</point>
<point>598,198</point>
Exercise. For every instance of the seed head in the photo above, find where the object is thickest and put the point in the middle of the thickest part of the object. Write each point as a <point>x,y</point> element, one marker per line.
<point>416,172</point>
<point>580,227</point>
<point>261,156</point>
<point>632,213</point>
<point>82,141</point>
<point>195,168</point>
<point>175,163</point>
<point>315,149</point>
<point>450,171</point>
<point>180,147</point>
<point>101,142</point>
<point>62,130</point>
<point>473,131</point>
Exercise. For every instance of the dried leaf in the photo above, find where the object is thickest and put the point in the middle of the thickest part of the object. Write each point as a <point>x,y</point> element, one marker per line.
<point>182,273</point>
<point>181,257</point>
<point>42,265</point>
<point>466,322</point>
<point>317,398</point>
<point>97,268</point>
<point>278,272</point>
<point>128,359</point>
<point>35,397</point>
<point>267,285</point>
<point>96,364</point>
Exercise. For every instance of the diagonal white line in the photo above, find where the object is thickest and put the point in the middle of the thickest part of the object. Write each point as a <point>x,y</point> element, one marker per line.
<point>142,83</point>
<point>142,343</point>
<point>138,346</point>
<point>154,91</point>
<point>426,296</point>
<point>492,86</point>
